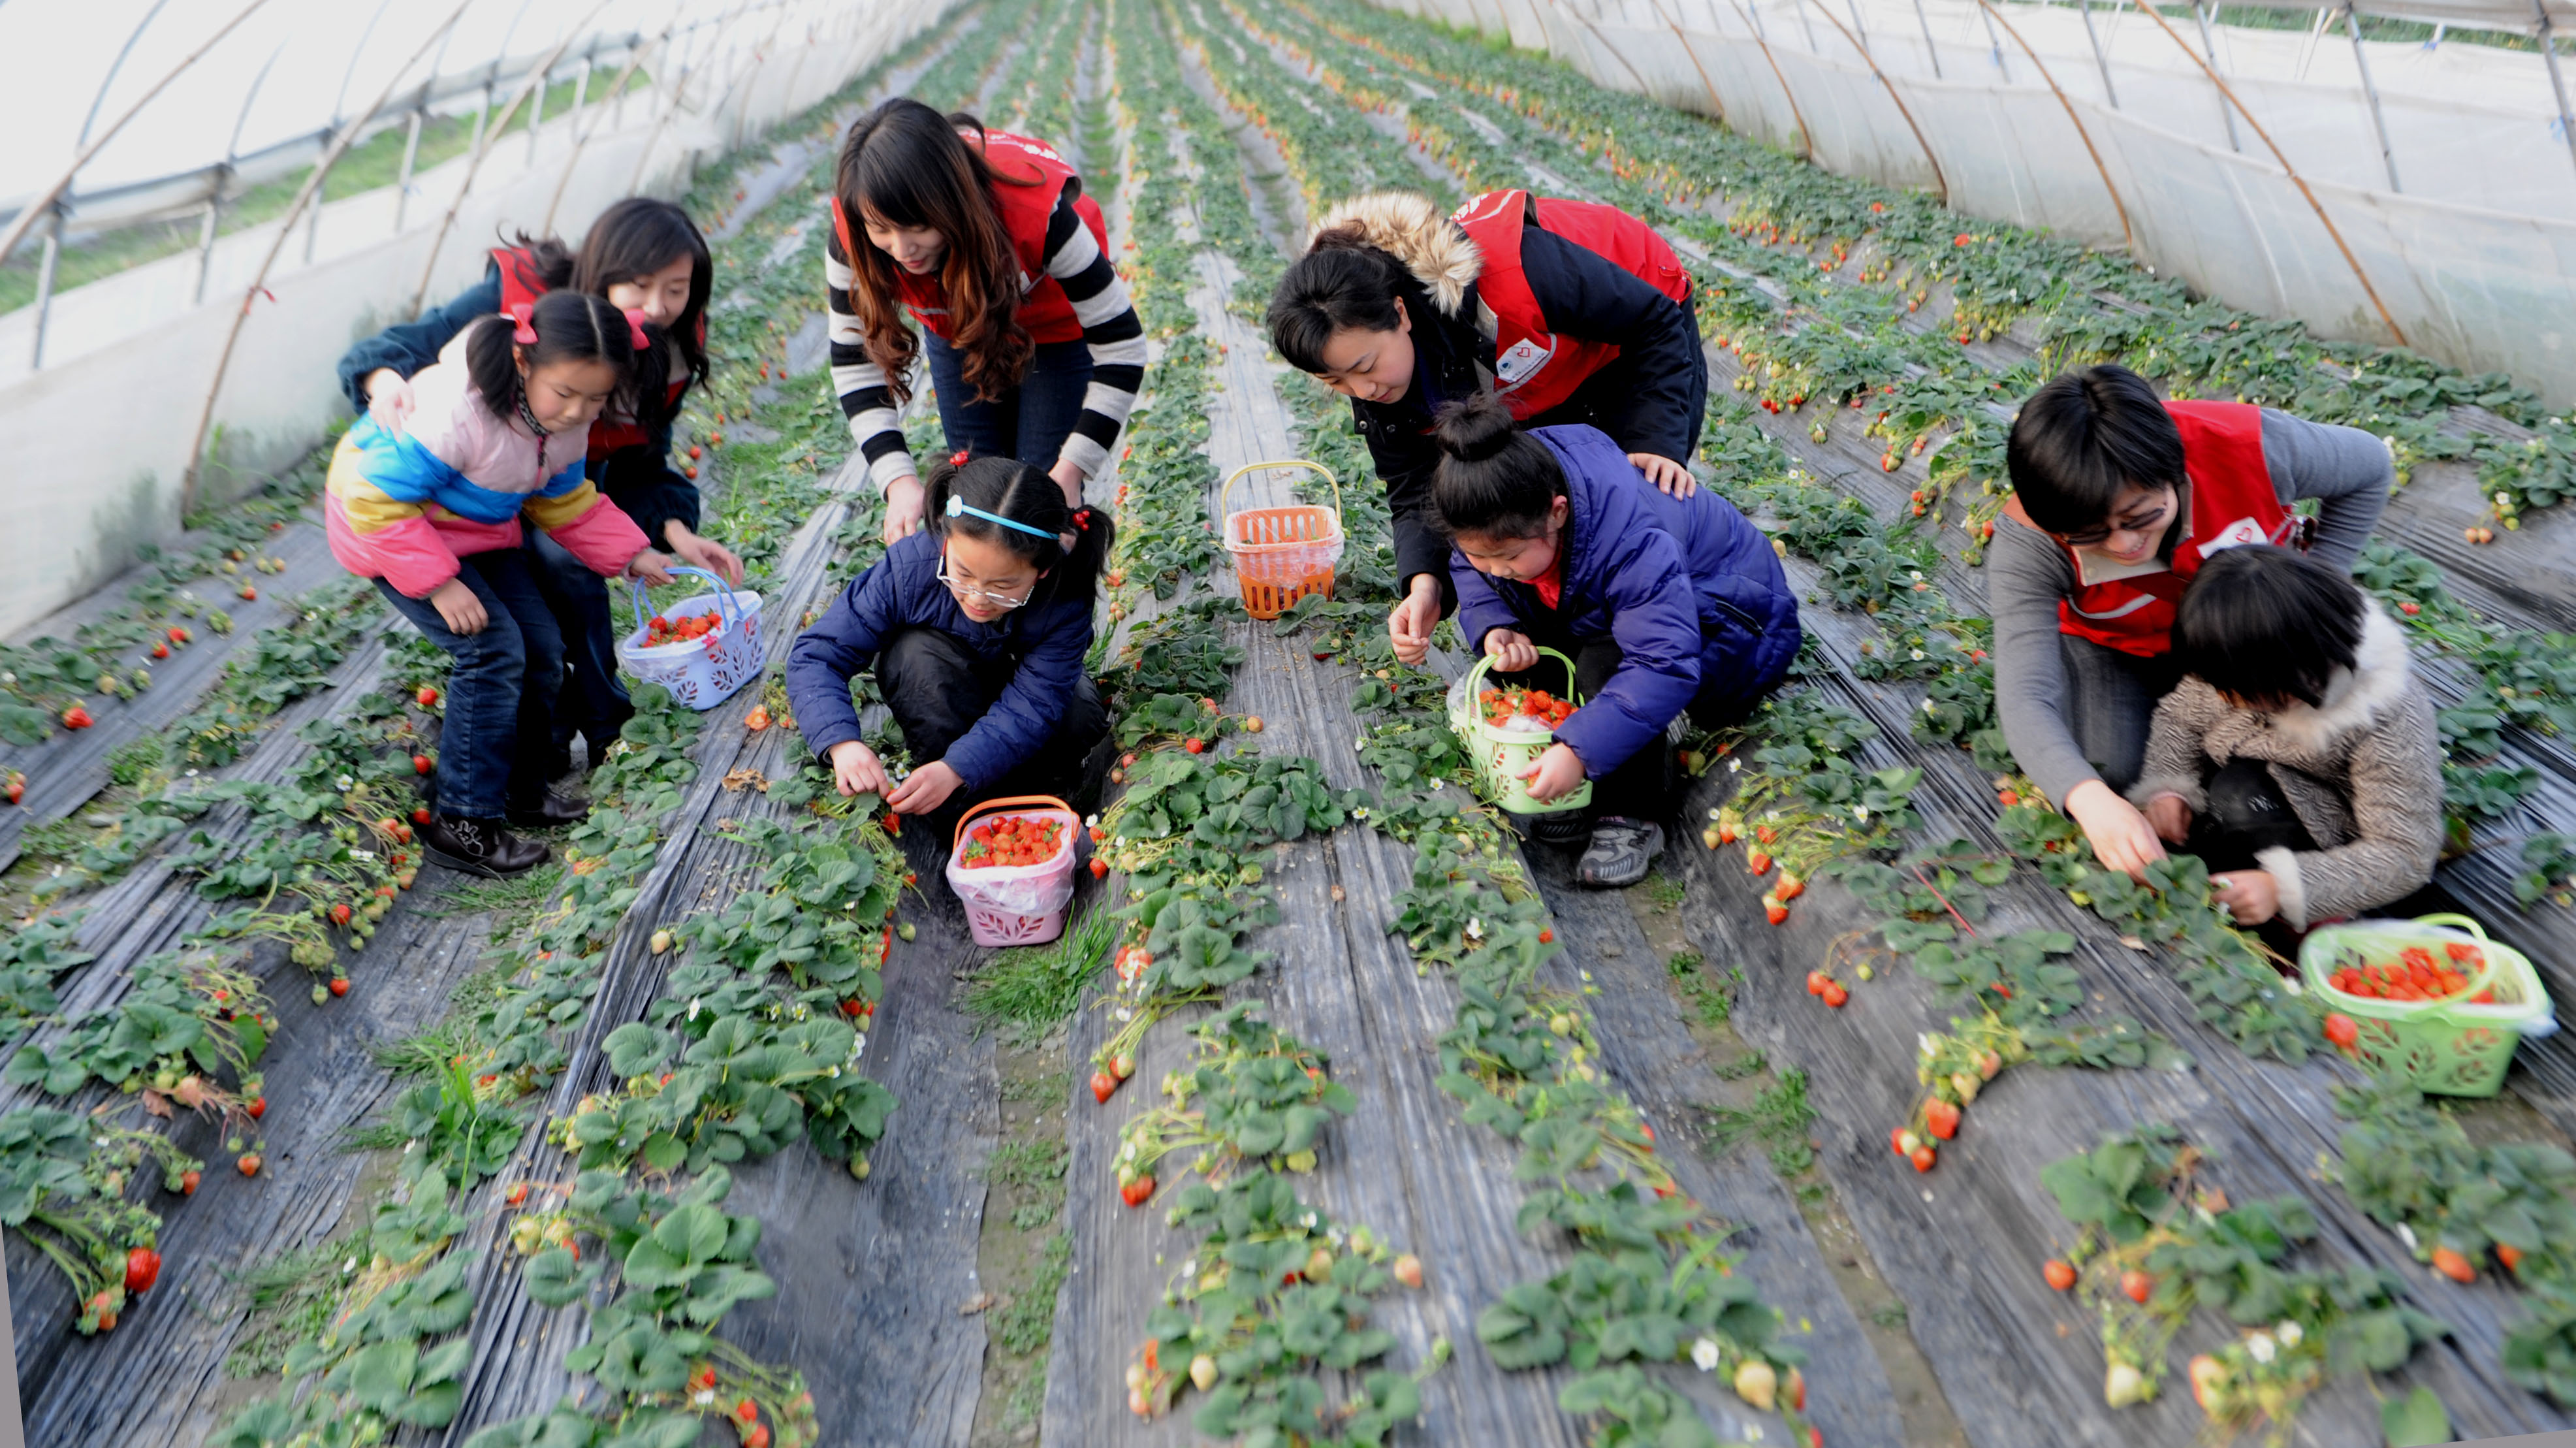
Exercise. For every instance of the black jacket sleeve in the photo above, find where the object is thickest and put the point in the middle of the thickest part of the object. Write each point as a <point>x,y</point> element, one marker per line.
<point>407,347</point>
<point>1404,456</point>
<point>1649,392</point>
<point>642,485</point>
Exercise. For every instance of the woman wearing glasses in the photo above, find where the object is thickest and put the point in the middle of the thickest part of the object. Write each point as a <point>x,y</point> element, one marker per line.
<point>975,629</point>
<point>2117,499</point>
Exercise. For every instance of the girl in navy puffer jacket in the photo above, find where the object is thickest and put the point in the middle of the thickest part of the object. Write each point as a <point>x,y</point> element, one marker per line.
<point>1666,605</point>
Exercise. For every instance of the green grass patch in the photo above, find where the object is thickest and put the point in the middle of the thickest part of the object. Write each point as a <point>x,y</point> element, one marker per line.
<point>1710,1005</point>
<point>1028,992</point>
<point>1027,1325</point>
<point>1027,1165</point>
<point>1777,1121</point>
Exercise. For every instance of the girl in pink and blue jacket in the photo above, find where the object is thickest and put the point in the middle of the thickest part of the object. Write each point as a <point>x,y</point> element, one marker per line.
<point>430,508</point>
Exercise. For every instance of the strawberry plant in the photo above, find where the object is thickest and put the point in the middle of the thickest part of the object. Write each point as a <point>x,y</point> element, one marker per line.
<point>185,1013</point>
<point>1252,1093</point>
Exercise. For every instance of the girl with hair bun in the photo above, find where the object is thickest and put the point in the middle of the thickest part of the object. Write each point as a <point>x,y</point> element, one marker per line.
<point>976,629</point>
<point>1667,605</point>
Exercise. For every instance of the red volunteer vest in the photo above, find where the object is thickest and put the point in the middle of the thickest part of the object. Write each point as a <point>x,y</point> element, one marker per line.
<point>1535,369</point>
<point>2232,503</point>
<point>521,283</point>
<point>1045,312</point>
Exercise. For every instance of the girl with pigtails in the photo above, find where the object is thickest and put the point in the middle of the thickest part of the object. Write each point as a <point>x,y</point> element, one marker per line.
<point>975,629</point>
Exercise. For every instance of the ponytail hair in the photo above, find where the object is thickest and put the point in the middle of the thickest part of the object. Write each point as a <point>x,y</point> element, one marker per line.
<point>563,326</point>
<point>1025,495</point>
<point>1492,479</point>
<point>1341,284</point>
<point>2269,625</point>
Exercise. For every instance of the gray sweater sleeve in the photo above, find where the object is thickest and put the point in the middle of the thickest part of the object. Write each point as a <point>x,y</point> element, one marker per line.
<point>2026,576</point>
<point>2348,471</point>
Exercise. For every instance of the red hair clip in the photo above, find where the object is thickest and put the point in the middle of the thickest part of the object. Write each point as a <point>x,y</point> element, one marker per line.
<point>635,328</point>
<point>957,459</point>
<point>526,335</point>
<point>1082,519</point>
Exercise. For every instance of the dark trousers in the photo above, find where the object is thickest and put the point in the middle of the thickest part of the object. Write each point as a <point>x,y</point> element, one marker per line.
<point>2110,702</point>
<point>1643,788</point>
<point>2247,815</point>
<point>938,689</point>
<point>1029,422</point>
<point>499,729</point>
<point>593,703</point>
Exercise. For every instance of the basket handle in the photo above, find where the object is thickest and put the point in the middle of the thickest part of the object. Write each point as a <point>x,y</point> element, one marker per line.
<point>1486,661</point>
<point>2463,921</point>
<point>1006,802</point>
<point>1233,477</point>
<point>725,605</point>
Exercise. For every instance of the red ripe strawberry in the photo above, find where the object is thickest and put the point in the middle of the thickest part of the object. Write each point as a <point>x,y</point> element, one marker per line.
<point>1103,1086</point>
<point>420,764</point>
<point>178,634</point>
<point>2454,1266</point>
<point>188,1182</point>
<point>421,815</point>
<point>77,717</point>
<point>893,823</point>
<point>519,1194</point>
<point>17,786</point>
<point>2510,1255</point>
<point>339,985</point>
<point>1546,936</point>
<point>758,1437</point>
<point>427,698</point>
<point>2136,1285</point>
<point>1135,1193</point>
<point>1816,982</point>
<point>142,1269</point>
<point>340,913</point>
<point>160,650</point>
<point>1923,1157</point>
<point>1195,746</point>
<point>1835,995</point>
<point>1757,862</point>
<point>1764,834</point>
<point>1941,1118</point>
<point>257,1108</point>
<point>1774,911</point>
<point>249,1163</point>
<point>746,1411</point>
<point>2060,1276</point>
<point>2343,1030</point>
<point>1099,867</point>
<point>1790,887</point>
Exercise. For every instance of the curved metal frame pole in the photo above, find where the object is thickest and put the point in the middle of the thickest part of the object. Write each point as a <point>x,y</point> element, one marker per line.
<point>1806,138</point>
<point>679,96</point>
<point>1675,24</point>
<point>1615,53</point>
<point>2128,237</point>
<point>1930,47</point>
<point>2378,122</point>
<point>42,203</point>
<point>581,138</point>
<point>473,167</point>
<point>758,62</point>
<point>215,193</point>
<point>2557,82</point>
<point>2291,171</point>
<point>1871,61</point>
<point>309,194</point>
<point>2209,45</point>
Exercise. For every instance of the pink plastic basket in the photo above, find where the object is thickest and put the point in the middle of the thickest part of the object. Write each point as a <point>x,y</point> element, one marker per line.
<point>1016,904</point>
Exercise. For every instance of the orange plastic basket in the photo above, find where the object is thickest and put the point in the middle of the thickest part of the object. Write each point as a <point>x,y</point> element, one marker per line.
<point>1282,554</point>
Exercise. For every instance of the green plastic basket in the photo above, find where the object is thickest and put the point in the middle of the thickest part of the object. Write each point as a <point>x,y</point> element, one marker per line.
<point>2450,1047</point>
<point>1503,756</point>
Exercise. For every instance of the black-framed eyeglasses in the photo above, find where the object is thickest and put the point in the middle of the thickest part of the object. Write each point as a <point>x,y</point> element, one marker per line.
<point>2091,537</point>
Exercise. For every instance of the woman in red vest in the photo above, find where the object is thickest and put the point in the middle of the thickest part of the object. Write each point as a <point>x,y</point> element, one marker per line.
<point>641,255</point>
<point>1570,312</point>
<point>2118,496</point>
<point>986,242</point>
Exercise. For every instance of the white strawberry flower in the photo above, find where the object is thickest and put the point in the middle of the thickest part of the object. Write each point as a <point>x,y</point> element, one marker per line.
<point>2289,1333</point>
<point>1704,1354</point>
<point>1861,812</point>
<point>2260,1347</point>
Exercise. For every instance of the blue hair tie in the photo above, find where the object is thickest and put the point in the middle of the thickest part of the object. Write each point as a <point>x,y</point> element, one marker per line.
<point>958,506</point>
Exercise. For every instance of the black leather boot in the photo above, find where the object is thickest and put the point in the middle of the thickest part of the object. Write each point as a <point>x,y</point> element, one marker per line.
<point>480,847</point>
<point>551,811</point>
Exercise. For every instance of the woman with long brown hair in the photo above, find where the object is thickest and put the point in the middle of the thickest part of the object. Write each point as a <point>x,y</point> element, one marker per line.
<point>986,241</point>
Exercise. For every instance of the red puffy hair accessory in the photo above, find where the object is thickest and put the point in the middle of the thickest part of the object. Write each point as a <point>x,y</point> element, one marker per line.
<point>635,328</point>
<point>957,459</point>
<point>1082,519</point>
<point>526,335</point>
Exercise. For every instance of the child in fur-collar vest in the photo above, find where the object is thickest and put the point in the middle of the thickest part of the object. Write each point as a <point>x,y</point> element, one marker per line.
<point>2298,756</point>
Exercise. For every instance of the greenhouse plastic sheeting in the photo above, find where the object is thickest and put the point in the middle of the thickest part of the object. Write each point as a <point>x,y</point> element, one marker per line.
<point>2472,252</point>
<point>100,436</point>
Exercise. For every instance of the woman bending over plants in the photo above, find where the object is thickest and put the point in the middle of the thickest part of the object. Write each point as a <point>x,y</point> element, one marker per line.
<point>976,631</point>
<point>987,242</point>
<point>2118,497</point>
<point>1568,311</point>
<point>1666,603</point>
<point>429,508</point>
<point>2298,756</point>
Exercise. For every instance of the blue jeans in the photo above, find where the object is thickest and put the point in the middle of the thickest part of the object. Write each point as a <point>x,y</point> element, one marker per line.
<point>594,703</point>
<point>1029,422</point>
<point>499,731</point>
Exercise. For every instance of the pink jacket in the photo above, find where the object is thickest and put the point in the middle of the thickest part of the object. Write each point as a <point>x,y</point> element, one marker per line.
<point>452,480</point>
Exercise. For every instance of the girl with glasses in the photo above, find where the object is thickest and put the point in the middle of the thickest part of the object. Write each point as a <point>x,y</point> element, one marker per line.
<point>975,629</point>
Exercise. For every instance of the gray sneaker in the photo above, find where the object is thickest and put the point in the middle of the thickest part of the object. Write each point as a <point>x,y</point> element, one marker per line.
<point>1622,850</point>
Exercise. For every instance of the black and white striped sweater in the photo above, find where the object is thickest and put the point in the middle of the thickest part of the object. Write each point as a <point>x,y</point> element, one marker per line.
<point>1110,327</point>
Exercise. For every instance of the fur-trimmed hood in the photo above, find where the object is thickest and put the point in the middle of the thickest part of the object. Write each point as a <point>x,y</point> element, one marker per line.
<point>1413,229</point>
